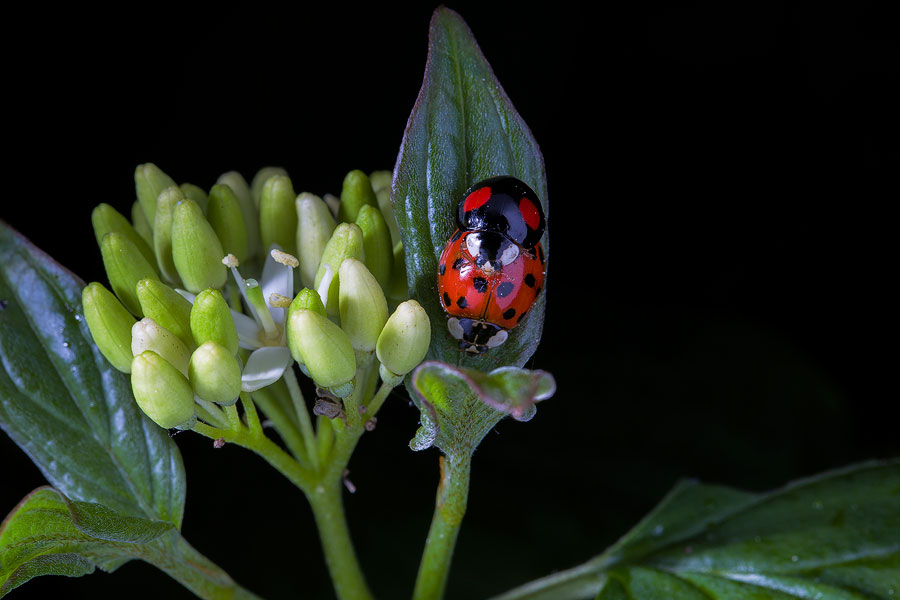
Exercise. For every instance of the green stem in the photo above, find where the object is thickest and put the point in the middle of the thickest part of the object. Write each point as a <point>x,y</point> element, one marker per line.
<point>284,423</point>
<point>450,506</point>
<point>306,428</point>
<point>178,559</point>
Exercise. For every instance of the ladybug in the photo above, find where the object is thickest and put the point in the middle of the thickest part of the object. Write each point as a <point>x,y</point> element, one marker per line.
<point>492,267</point>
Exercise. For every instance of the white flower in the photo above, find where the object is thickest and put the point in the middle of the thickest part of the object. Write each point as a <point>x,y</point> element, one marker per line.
<point>263,331</point>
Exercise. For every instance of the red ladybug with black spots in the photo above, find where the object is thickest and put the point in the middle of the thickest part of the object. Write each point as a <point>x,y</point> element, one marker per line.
<point>492,268</point>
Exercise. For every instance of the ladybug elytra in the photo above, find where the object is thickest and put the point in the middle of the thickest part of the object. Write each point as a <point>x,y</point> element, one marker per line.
<point>492,267</point>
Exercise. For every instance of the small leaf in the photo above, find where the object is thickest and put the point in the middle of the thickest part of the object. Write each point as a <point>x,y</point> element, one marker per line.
<point>462,129</point>
<point>65,405</point>
<point>460,406</point>
<point>48,534</point>
<point>835,536</point>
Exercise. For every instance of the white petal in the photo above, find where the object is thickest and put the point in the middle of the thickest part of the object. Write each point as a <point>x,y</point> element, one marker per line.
<point>264,367</point>
<point>277,279</point>
<point>247,329</point>
<point>187,295</point>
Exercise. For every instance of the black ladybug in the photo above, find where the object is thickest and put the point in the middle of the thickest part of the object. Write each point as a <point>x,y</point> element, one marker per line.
<point>503,205</point>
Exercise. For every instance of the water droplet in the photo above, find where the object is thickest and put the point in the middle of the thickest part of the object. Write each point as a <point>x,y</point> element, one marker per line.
<point>77,317</point>
<point>795,558</point>
<point>65,344</point>
<point>658,530</point>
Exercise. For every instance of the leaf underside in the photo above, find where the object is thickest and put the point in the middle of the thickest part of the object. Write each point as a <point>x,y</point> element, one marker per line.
<point>462,129</point>
<point>65,406</point>
<point>833,536</point>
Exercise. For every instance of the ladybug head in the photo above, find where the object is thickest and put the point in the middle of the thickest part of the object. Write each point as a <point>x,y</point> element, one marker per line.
<point>503,205</point>
<point>476,336</point>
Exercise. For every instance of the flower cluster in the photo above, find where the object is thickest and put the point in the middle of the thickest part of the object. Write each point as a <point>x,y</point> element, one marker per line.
<point>330,293</point>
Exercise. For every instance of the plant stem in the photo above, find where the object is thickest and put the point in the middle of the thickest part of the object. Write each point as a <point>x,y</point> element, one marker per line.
<point>306,428</point>
<point>449,509</point>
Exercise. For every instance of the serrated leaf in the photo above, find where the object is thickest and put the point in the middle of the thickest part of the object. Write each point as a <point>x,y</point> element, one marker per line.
<point>835,536</point>
<point>65,406</point>
<point>460,406</point>
<point>463,128</point>
<point>48,534</point>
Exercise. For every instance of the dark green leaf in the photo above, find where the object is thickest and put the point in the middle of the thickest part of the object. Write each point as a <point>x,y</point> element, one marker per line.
<point>835,536</point>
<point>460,406</point>
<point>462,129</point>
<point>48,534</point>
<point>65,406</point>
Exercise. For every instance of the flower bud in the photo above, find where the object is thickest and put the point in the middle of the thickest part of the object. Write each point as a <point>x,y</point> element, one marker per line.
<point>211,321</point>
<point>241,190</point>
<point>315,224</point>
<point>196,249</point>
<point>356,192</point>
<point>141,224</point>
<point>164,394</point>
<point>376,243</point>
<point>259,180</point>
<point>107,219</point>
<point>362,304</point>
<point>162,232</point>
<point>146,334</point>
<point>110,324</point>
<point>381,183</point>
<point>215,374</point>
<point>226,218</point>
<point>308,299</point>
<point>322,347</point>
<point>278,214</point>
<point>404,341</point>
<point>168,308</point>
<point>149,182</point>
<point>195,193</point>
<point>125,266</point>
<point>346,242</point>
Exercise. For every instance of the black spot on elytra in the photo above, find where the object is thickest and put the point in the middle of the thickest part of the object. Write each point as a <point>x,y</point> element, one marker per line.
<point>509,314</point>
<point>540,251</point>
<point>462,302</point>
<point>480,284</point>
<point>505,289</point>
<point>522,316</point>
<point>458,263</point>
<point>529,280</point>
<point>456,235</point>
<point>446,299</point>
<point>443,268</point>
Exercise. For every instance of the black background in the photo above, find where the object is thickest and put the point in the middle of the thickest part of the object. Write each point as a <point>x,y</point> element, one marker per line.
<point>721,183</point>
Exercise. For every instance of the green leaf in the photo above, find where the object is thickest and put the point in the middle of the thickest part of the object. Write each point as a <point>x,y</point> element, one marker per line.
<point>460,406</point>
<point>49,534</point>
<point>462,129</point>
<point>65,405</point>
<point>833,536</point>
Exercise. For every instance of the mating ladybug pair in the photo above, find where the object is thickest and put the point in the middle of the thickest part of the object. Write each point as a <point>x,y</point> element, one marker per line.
<point>492,268</point>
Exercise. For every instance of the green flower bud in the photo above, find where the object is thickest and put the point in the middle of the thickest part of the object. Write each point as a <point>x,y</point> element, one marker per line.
<point>196,249</point>
<point>404,341</point>
<point>110,324</point>
<point>167,307</point>
<point>141,224</point>
<point>239,186</point>
<point>278,214</point>
<point>315,224</point>
<point>398,287</point>
<point>346,242</point>
<point>356,192</point>
<point>322,347</point>
<point>149,182</point>
<point>227,219</point>
<point>125,266</point>
<point>363,307</point>
<point>146,334</point>
<point>211,321</point>
<point>376,243</point>
<point>107,219</point>
<point>196,194</point>
<point>215,374</point>
<point>260,179</point>
<point>162,233</point>
<point>381,183</point>
<point>162,392</point>
<point>308,299</point>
